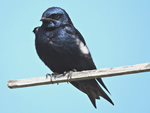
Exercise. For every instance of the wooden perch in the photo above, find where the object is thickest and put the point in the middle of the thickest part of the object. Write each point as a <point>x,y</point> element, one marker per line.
<point>83,75</point>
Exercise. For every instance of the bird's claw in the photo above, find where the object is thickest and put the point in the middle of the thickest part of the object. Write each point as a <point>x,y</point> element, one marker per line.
<point>69,74</point>
<point>74,70</point>
<point>50,75</point>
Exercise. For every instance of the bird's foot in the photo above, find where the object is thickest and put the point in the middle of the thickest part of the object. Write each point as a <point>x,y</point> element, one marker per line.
<point>51,76</point>
<point>69,74</point>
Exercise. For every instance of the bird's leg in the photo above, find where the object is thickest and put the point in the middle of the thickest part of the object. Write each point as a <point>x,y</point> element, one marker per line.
<point>55,75</point>
<point>50,75</point>
<point>69,74</point>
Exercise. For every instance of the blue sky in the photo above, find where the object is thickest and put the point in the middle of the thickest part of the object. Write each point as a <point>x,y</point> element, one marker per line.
<point>117,33</point>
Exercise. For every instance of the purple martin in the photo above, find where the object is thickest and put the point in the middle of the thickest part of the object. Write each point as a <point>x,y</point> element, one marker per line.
<point>62,48</point>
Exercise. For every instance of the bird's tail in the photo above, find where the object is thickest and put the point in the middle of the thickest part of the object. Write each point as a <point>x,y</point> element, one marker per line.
<point>92,89</point>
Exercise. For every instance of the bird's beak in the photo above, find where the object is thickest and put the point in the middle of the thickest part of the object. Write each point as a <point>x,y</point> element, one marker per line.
<point>46,19</point>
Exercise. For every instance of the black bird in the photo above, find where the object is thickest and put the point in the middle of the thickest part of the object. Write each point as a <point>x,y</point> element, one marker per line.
<point>62,48</point>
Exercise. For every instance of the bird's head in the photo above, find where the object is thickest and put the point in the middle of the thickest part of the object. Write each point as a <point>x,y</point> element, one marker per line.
<point>55,17</point>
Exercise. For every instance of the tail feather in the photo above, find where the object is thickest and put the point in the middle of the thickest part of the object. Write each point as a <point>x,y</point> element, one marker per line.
<point>82,88</point>
<point>102,83</point>
<point>104,95</point>
<point>91,95</point>
<point>92,100</point>
<point>92,89</point>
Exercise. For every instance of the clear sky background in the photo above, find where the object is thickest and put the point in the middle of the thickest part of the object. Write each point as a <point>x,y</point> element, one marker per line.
<point>117,33</point>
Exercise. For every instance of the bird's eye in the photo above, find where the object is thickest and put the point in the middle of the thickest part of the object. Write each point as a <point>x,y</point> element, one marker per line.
<point>55,16</point>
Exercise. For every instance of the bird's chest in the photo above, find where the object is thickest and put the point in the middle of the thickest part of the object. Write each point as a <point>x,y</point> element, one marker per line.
<point>56,50</point>
<point>60,41</point>
<point>55,44</point>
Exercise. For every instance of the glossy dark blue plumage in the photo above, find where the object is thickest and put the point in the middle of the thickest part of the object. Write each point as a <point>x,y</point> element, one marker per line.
<point>62,48</point>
